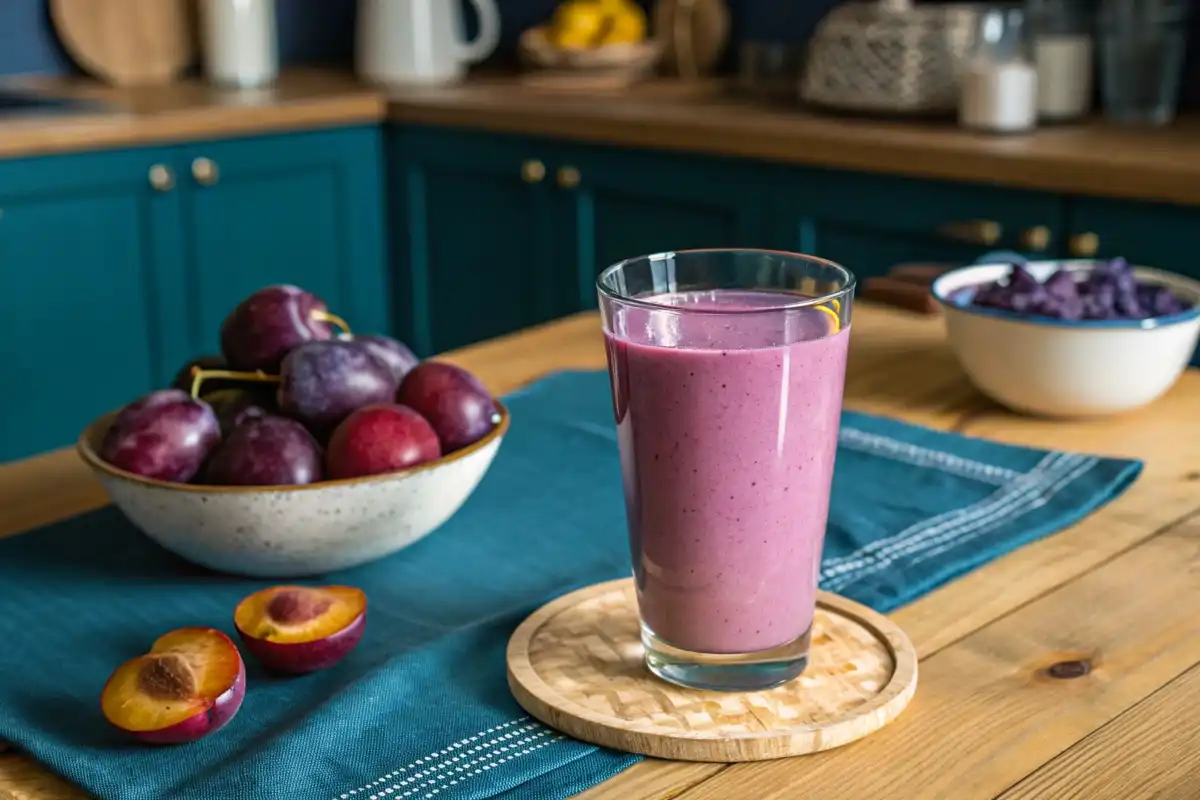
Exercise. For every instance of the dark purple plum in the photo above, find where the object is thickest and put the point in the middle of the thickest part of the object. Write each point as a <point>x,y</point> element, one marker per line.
<point>1109,290</point>
<point>166,435</point>
<point>381,438</point>
<point>267,451</point>
<point>395,354</point>
<point>183,378</point>
<point>264,327</point>
<point>235,406</point>
<point>456,404</point>
<point>321,383</point>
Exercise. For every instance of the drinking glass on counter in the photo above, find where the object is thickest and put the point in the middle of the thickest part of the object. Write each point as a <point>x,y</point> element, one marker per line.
<point>1063,54</point>
<point>727,371</point>
<point>1142,45</point>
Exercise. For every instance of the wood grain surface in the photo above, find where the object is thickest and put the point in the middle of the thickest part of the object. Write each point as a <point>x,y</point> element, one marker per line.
<point>1092,158</point>
<point>128,42</point>
<point>577,664</point>
<point>192,109</point>
<point>1110,590</point>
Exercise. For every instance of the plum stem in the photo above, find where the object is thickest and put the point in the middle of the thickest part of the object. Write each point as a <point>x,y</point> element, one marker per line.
<point>199,376</point>
<point>332,319</point>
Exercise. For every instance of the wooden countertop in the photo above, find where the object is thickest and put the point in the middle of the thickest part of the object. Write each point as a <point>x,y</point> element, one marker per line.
<point>183,111</point>
<point>706,118</point>
<point>988,721</point>
<point>1089,158</point>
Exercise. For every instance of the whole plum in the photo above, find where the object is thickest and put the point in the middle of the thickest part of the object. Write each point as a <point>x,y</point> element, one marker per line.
<point>165,435</point>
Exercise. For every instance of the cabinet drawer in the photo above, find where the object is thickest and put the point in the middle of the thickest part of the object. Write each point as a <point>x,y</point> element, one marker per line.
<point>870,222</point>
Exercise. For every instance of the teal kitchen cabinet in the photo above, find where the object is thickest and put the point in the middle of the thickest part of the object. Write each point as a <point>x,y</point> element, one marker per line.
<point>868,223</point>
<point>303,208</point>
<point>1152,234</point>
<point>614,204</point>
<point>117,267</point>
<point>473,236</point>
<point>84,243</point>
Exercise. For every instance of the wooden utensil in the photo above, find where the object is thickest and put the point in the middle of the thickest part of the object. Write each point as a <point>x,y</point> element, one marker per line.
<point>128,42</point>
<point>694,34</point>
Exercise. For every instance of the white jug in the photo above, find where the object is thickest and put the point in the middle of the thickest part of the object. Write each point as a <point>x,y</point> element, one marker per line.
<point>421,41</point>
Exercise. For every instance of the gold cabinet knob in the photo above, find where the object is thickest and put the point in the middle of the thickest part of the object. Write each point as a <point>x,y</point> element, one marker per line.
<point>569,177</point>
<point>205,171</point>
<point>976,231</point>
<point>1035,239</point>
<point>533,171</point>
<point>162,178</point>
<point>1084,245</point>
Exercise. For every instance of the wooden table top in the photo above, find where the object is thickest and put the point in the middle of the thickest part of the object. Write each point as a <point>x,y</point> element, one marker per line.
<point>1115,593</point>
<point>1091,158</point>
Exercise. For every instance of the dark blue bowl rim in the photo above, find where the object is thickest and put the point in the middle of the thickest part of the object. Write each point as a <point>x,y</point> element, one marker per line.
<point>1013,316</point>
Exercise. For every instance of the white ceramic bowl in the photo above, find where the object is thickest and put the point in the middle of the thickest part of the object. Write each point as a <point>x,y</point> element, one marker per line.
<point>294,531</point>
<point>1062,368</point>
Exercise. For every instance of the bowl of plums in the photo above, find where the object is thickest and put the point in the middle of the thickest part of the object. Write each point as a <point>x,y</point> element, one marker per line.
<point>302,448</point>
<point>1078,338</point>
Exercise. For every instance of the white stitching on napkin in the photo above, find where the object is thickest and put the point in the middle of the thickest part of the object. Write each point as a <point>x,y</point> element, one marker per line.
<point>1036,504</point>
<point>429,778</point>
<point>868,552</point>
<point>896,450</point>
<point>485,767</point>
<point>461,743</point>
<point>974,522</point>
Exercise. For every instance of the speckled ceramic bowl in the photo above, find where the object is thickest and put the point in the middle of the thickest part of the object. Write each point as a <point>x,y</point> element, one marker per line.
<point>295,531</point>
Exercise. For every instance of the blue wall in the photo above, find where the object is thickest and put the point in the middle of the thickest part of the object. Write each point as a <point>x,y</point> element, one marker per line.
<point>322,31</point>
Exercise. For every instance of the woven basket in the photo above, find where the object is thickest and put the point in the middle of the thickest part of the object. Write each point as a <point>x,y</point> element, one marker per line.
<point>537,51</point>
<point>889,56</point>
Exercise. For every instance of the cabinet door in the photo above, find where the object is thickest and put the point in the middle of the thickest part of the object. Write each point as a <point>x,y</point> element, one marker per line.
<point>302,208</point>
<point>615,204</point>
<point>1151,234</point>
<point>83,241</point>
<point>476,257</point>
<point>868,223</point>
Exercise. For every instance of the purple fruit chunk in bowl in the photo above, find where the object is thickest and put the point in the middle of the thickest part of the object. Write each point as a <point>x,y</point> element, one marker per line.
<point>1070,338</point>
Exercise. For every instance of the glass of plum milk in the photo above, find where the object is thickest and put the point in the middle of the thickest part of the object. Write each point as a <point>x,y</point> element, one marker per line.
<point>727,371</point>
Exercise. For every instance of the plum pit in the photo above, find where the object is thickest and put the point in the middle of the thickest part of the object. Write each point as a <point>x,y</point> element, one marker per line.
<point>296,606</point>
<point>167,677</point>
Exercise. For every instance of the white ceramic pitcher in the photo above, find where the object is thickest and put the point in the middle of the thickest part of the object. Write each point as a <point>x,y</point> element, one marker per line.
<point>421,41</point>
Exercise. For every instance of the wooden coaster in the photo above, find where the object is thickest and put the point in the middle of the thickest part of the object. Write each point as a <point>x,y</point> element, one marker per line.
<point>576,665</point>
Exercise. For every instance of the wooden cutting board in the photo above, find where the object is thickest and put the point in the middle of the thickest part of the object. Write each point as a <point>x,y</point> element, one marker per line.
<point>128,42</point>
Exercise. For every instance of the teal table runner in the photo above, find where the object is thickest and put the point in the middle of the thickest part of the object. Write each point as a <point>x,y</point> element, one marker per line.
<point>421,708</point>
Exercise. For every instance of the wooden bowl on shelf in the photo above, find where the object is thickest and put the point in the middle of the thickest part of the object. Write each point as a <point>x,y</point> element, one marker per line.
<point>607,66</point>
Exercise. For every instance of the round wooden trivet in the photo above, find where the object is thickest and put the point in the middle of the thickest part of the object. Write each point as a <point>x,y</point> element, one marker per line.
<point>576,665</point>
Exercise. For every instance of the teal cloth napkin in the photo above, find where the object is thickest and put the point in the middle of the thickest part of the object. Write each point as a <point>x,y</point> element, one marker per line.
<point>421,709</point>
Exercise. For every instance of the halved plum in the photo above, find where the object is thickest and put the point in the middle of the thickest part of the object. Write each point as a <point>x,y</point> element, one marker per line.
<point>190,684</point>
<point>301,629</point>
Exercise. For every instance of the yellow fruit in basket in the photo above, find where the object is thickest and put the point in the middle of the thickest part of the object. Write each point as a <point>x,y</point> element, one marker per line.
<point>577,25</point>
<point>627,26</point>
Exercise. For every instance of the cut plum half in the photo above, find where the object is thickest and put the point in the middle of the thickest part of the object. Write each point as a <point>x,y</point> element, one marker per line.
<point>189,685</point>
<point>301,629</point>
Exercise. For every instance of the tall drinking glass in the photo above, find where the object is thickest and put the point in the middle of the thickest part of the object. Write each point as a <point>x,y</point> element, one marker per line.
<point>727,371</point>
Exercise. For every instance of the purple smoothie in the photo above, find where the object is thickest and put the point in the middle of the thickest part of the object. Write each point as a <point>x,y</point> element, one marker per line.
<point>727,425</point>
